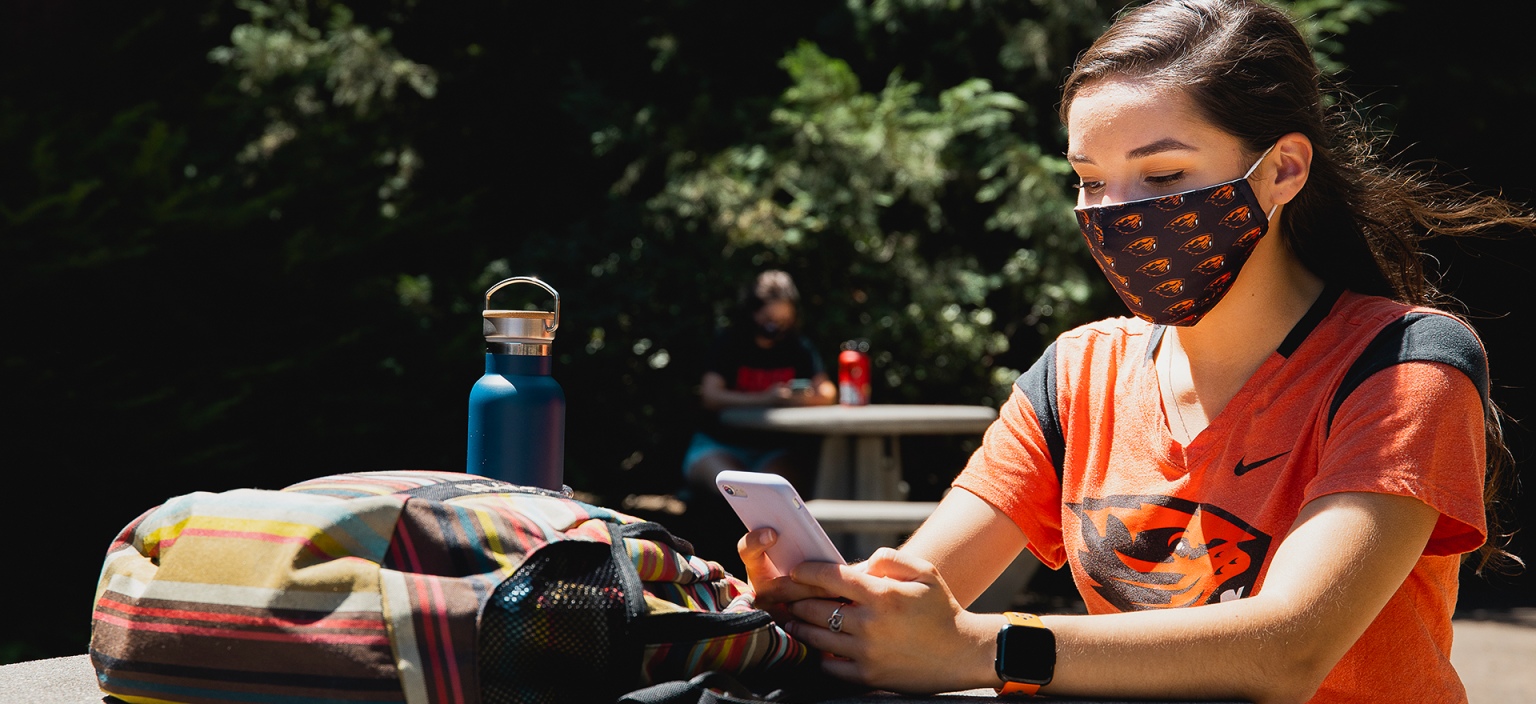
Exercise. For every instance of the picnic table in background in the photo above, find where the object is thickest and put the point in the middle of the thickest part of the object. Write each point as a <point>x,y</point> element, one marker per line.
<point>860,448</point>
<point>860,497</point>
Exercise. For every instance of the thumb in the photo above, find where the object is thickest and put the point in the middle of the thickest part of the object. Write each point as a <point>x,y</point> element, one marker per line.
<point>753,550</point>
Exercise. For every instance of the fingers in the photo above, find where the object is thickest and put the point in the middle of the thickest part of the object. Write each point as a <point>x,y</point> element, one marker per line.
<point>822,614</point>
<point>884,571</point>
<point>841,650</point>
<point>896,630</point>
<point>785,590</point>
<point>895,564</point>
<point>753,550</point>
<point>833,579</point>
<point>770,586</point>
<point>813,616</point>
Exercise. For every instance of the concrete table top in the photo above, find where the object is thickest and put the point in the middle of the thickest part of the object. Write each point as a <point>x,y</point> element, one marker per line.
<point>873,419</point>
<point>861,449</point>
<point>71,680</point>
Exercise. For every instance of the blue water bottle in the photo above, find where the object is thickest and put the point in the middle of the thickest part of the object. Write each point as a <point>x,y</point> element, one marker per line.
<point>517,410</point>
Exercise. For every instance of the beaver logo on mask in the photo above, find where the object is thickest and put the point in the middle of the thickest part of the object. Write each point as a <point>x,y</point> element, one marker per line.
<point>1153,552</point>
<point>1138,227</point>
<point>1198,244</point>
<point>1142,247</point>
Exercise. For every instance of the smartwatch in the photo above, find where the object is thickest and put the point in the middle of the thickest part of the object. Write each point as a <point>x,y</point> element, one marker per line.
<point>1026,654</point>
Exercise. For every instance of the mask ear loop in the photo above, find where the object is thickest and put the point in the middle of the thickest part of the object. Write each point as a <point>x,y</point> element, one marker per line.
<point>1260,160</point>
<point>1254,168</point>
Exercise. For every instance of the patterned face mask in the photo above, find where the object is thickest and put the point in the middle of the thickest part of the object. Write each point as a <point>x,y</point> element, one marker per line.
<point>1172,258</point>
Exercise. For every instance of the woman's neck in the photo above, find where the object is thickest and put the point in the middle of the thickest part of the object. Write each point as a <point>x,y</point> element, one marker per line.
<point>1264,304</point>
<point>1207,364</point>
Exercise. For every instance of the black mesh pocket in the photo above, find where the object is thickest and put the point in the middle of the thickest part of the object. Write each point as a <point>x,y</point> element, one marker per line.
<point>555,631</point>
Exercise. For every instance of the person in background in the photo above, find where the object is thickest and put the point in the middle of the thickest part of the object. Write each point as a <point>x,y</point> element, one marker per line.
<point>761,359</point>
<point>1266,481</point>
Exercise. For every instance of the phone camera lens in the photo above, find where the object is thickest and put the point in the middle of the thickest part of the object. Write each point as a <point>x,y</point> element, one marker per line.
<point>728,490</point>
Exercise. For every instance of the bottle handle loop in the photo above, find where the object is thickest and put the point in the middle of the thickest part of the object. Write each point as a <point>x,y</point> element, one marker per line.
<point>548,327</point>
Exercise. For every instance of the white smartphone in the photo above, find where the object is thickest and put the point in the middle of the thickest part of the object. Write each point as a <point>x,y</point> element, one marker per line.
<point>764,500</point>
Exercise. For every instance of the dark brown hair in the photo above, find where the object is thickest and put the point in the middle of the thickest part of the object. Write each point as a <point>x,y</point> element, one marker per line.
<point>773,285</point>
<point>767,287</point>
<point>1358,222</point>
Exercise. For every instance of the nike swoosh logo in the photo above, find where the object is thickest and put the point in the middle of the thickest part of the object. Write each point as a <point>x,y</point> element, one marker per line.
<point>1243,468</point>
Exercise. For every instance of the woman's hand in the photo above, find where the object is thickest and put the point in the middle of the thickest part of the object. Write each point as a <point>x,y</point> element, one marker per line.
<point>775,591</point>
<point>903,630</point>
<point>780,394</point>
<point>819,392</point>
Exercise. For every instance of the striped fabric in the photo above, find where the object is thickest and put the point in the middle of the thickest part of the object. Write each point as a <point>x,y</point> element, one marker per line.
<point>369,587</point>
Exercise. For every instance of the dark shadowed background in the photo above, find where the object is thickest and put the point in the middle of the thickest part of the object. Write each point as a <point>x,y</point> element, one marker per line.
<point>243,244</point>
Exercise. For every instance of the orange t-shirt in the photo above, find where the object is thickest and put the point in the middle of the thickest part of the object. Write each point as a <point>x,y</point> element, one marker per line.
<point>1364,395</point>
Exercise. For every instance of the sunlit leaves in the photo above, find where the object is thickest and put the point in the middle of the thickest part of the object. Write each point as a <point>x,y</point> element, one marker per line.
<point>358,64</point>
<point>1323,22</point>
<point>842,162</point>
<point>304,67</point>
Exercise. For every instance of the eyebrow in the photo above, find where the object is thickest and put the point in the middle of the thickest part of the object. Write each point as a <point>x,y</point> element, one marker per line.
<point>1166,144</point>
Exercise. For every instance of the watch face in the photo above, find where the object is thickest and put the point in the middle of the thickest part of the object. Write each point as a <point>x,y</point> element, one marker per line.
<point>1026,654</point>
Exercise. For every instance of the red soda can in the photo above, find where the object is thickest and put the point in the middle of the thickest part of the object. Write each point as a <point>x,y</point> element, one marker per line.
<point>853,373</point>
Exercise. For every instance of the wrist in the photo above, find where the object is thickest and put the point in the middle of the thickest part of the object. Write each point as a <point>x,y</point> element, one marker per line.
<point>1026,654</point>
<point>980,631</point>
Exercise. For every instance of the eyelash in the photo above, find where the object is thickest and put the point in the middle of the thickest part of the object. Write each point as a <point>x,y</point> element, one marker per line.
<point>1165,180</point>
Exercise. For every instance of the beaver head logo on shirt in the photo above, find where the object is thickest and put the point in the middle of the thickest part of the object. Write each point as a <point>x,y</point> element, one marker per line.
<point>1151,552</point>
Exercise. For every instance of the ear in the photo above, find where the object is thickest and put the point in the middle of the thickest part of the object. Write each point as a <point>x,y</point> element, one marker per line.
<point>1291,160</point>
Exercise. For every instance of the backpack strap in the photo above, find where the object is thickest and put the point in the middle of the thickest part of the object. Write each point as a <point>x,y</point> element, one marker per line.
<point>712,687</point>
<point>1417,337</point>
<point>650,530</point>
<point>1039,386</point>
<point>472,485</point>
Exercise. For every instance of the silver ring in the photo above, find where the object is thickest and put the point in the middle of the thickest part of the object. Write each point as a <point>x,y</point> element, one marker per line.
<point>835,621</point>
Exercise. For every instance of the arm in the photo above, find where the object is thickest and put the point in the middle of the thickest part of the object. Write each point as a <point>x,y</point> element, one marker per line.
<point>968,541</point>
<point>822,392</point>
<point>965,539</point>
<point>1344,558</point>
<point>716,396</point>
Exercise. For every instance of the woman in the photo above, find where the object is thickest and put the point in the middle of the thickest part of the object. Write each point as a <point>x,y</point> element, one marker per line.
<point>1283,436</point>
<point>761,360</point>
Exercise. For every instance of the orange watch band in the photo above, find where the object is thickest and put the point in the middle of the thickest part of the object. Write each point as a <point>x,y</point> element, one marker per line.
<point>1021,619</point>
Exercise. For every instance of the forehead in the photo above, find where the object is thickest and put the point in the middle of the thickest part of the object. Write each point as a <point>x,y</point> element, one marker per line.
<point>1116,116</point>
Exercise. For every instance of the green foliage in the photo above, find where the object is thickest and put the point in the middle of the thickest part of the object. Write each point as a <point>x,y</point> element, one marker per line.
<point>899,157</point>
<point>854,184</point>
<point>1325,22</point>
<point>247,244</point>
<point>288,67</point>
<point>358,63</point>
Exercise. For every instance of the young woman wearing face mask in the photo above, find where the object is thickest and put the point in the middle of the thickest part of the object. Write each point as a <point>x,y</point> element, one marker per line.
<point>1284,437</point>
